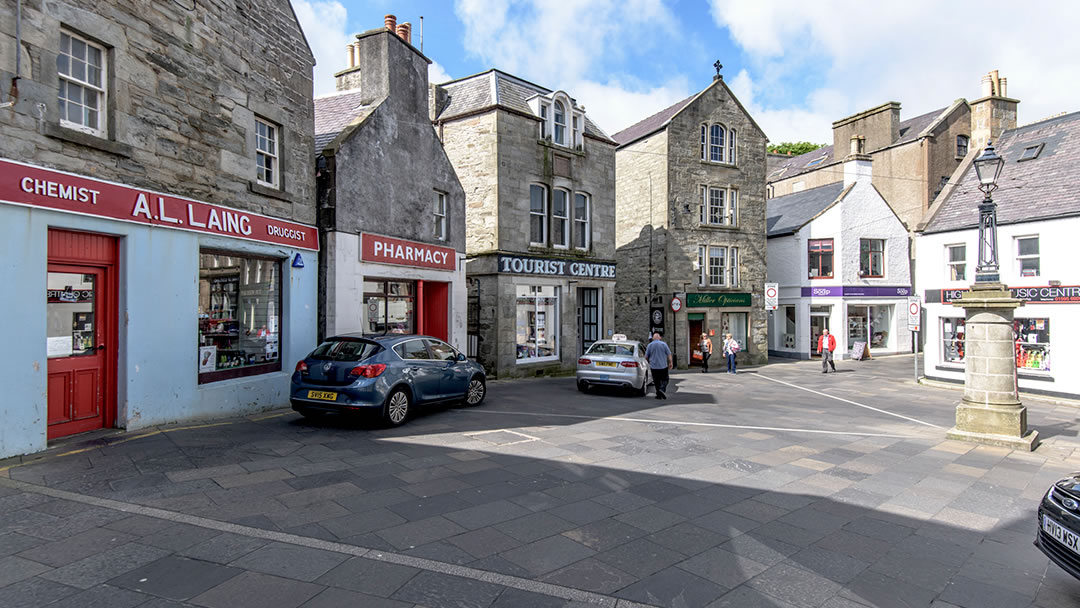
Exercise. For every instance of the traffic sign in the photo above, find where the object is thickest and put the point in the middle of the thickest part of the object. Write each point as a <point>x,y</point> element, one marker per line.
<point>676,304</point>
<point>772,296</point>
<point>914,308</point>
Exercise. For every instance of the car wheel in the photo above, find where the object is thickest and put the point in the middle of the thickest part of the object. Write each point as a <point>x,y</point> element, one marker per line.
<point>583,387</point>
<point>474,395</point>
<point>641,392</point>
<point>396,410</point>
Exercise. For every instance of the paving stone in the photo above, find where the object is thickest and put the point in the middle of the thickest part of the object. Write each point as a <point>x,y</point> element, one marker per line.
<point>533,527</point>
<point>99,568</point>
<point>223,548</point>
<point>416,533</point>
<point>35,592</point>
<point>727,524</point>
<point>875,589</point>
<point>484,542</point>
<point>651,518</point>
<point>415,508</point>
<point>374,499</point>
<point>178,537</point>
<point>487,514</point>
<point>762,549</point>
<point>175,578</point>
<point>723,567</point>
<point>444,591</point>
<point>795,585</point>
<point>832,565</point>
<point>13,542</point>
<point>546,555</point>
<point>103,596</point>
<point>517,598</point>
<point>338,598</point>
<point>262,590</point>
<point>368,576</point>
<point>14,569</point>
<point>292,561</point>
<point>640,557</point>
<point>319,494</point>
<point>352,525</point>
<point>591,575</point>
<point>605,534</point>
<point>71,549</point>
<point>745,597</point>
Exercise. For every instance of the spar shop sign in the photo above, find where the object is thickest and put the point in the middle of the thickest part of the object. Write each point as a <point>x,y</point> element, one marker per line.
<point>31,186</point>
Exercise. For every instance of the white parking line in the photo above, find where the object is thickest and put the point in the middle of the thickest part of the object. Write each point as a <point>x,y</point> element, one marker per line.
<point>880,411</point>
<point>683,423</point>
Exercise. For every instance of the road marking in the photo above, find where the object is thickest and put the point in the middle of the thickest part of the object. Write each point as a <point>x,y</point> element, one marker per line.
<point>506,580</point>
<point>880,411</point>
<point>684,423</point>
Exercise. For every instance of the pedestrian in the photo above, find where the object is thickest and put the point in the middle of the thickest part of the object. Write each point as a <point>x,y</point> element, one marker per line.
<point>706,352</point>
<point>826,344</point>
<point>731,348</point>
<point>659,357</point>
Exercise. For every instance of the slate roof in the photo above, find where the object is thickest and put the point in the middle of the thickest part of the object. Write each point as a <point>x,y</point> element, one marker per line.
<point>779,169</point>
<point>475,93</point>
<point>332,114</point>
<point>1031,190</point>
<point>651,124</point>
<point>786,214</point>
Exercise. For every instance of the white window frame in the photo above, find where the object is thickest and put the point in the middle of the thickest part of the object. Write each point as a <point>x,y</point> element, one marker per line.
<point>101,90</point>
<point>703,265</point>
<point>560,127</point>
<point>542,214</point>
<point>717,133</point>
<point>718,253</point>
<point>951,265</point>
<point>544,112</point>
<point>731,146</point>
<point>732,216</point>
<point>555,325</point>
<point>733,266</point>
<point>575,130</point>
<point>704,142</point>
<point>716,203</point>
<point>870,259</point>
<point>1020,258</point>
<point>585,223</point>
<point>271,153</point>
<point>560,238</point>
<point>440,216</point>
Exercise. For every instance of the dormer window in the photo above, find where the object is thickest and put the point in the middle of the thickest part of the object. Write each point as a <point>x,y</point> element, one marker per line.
<point>576,141</point>
<point>817,161</point>
<point>1030,152</point>
<point>560,123</point>
<point>543,121</point>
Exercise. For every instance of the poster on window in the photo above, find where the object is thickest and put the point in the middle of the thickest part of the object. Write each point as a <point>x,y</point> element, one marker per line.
<point>207,359</point>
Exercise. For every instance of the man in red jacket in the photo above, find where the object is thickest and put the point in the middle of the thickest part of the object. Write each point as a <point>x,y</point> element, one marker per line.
<point>826,344</point>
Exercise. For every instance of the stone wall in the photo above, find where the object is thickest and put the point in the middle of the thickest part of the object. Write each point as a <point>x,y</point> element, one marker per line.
<point>183,90</point>
<point>472,146</point>
<point>879,125</point>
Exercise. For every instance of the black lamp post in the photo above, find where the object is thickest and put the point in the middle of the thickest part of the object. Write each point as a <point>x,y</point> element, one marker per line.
<point>988,167</point>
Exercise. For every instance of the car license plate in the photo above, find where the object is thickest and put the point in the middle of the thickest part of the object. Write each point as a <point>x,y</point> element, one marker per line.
<point>1061,534</point>
<point>606,364</point>
<point>322,395</point>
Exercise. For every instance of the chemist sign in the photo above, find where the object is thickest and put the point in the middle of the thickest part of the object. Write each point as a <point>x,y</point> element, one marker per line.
<point>388,250</point>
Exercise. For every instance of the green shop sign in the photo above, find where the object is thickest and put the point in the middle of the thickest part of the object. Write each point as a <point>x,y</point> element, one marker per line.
<point>717,300</point>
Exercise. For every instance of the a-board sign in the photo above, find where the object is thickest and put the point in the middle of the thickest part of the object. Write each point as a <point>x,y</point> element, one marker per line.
<point>859,351</point>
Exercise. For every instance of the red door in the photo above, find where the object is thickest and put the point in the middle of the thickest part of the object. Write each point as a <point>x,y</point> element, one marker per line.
<point>81,343</point>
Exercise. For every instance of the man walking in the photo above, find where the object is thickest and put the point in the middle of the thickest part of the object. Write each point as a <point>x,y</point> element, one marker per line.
<point>826,344</point>
<point>706,351</point>
<point>659,357</point>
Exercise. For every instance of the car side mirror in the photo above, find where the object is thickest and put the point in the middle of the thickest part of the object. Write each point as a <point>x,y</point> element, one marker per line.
<point>462,357</point>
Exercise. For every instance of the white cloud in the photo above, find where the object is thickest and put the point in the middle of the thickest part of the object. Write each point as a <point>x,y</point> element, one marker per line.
<point>922,53</point>
<point>563,45</point>
<point>436,73</point>
<point>324,23</point>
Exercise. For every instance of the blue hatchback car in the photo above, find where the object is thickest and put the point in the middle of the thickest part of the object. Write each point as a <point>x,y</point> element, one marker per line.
<point>387,375</point>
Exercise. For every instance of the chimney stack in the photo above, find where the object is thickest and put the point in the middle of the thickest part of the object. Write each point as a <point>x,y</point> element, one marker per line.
<point>858,145</point>
<point>994,112</point>
<point>391,23</point>
<point>404,31</point>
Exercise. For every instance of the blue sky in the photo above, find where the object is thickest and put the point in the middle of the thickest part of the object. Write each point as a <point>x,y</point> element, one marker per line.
<point>796,66</point>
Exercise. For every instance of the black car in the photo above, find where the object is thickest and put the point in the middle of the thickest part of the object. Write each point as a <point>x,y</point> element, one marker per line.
<point>1059,524</point>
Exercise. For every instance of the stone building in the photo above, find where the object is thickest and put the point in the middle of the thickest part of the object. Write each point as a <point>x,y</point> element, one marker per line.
<point>690,200</point>
<point>156,159</point>
<point>539,180</point>
<point>391,209</point>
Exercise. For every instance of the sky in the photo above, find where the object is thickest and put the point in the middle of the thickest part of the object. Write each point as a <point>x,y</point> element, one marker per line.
<point>795,66</point>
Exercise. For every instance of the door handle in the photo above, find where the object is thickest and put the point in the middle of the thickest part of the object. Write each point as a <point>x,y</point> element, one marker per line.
<point>100,347</point>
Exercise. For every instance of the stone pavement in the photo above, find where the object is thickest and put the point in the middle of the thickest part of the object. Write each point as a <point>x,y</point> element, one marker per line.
<point>777,487</point>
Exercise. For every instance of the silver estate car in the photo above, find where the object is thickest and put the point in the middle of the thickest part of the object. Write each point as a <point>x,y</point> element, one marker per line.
<point>617,362</point>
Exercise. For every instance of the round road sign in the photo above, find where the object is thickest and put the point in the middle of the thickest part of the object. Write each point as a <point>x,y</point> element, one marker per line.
<point>676,304</point>
<point>913,309</point>
<point>770,292</point>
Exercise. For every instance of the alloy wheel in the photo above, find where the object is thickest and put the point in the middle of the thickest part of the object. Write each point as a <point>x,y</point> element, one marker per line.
<point>398,407</point>
<point>476,392</point>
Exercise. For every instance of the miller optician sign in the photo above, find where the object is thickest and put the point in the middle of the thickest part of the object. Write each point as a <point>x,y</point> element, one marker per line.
<point>31,186</point>
<point>1068,294</point>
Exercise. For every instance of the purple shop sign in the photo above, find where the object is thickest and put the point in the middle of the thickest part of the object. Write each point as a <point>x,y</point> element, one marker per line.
<point>857,291</point>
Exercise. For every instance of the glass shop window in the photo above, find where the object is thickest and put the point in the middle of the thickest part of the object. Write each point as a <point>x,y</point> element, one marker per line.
<point>239,316</point>
<point>389,307</point>
<point>1032,344</point>
<point>952,339</point>
<point>537,323</point>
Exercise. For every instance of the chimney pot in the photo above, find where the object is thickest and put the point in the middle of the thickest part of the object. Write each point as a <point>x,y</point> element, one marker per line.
<point>987,86</point>
<point>391,23</point>
<point>350,57</point>
<point>404,31</point>
<point>1001,87</point>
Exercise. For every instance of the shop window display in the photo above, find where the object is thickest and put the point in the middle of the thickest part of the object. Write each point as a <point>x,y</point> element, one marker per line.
<point>537,323</point>
<point>389,307</point>
<point>734,323</point>
<point>870,324</point>
<point>239,316</point>
<point>1032,344</point>
<point>952,340</point>
<point>70,312</point>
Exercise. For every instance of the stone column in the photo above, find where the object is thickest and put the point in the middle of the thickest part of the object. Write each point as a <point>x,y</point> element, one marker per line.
<point>991,411</point>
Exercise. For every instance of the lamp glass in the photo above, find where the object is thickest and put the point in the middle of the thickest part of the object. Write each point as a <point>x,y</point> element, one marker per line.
<point>988,166</point>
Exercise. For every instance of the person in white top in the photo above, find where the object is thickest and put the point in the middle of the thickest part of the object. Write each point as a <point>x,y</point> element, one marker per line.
<point>731,347</point>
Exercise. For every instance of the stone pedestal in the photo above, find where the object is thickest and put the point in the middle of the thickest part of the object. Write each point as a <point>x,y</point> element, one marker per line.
<point>991,411</point>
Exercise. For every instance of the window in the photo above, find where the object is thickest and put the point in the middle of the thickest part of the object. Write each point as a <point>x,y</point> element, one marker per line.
<point>537,323</point>
<point>790,328</point>
<point>870,324</point>
<point>266,153</point>
<point>560,219</point>
<point>537,215</point>
<point>543,121</point>
<point>560,123</point>
<point>1027,256</point>
<point>952,339</point>
<point>731,146</point>
<point>702,265</point>
<point>871,258</point>
<point>716,206</point>
<point>961,146</point>
<point>957,261</point>
<point>239,316</point>
<point>820,260</point>
<point>817,161</point>
<point>734,323</point>
<point>716,144</point>
<point>81,67</point>
<point>733,267</point>
<point>576,131</point>
<point>389,307</point>
<point>733,207</point>
<point>704,142</point>
<point>440,216</point>
<point>717,257</point>
<point>582,232</point>
<point>713,210</point>
<point>412,350</point>
<point>1030,152</point>
<point>1032,344</point>
<point>441,350</point>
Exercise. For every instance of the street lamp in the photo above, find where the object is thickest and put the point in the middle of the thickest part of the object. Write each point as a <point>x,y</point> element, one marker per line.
<point>988,167</point>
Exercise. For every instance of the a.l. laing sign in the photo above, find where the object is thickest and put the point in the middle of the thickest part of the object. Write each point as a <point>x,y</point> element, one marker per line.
<point>555,267</point>
<point>1065,294</point>
<point>855,291</point>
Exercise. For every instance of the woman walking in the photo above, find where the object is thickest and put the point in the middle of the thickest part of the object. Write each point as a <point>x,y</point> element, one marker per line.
<point>706,351</point>
<point>731,348</point>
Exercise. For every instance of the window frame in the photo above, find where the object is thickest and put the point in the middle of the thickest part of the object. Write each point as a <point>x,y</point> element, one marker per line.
<point>558,107</point>
<point>587,222</point>
<point>953,351</point>
<point>951,264</point>
<point>966,145</point>
<point>733,267</point>
<point>102,90</point>
<point>717,134</point>
<point>542,215</point>
<point>1035,150</point>
<point>274,131</point>
<point>1020,259</point>
<point>866,272</point>
<point>704,142</point>
<point>440,219</point>
<point>821,253</point>
<point>720,266</point>
<point>731,146</point>
<point>553,324</point>
<point>564,242</point>
<point>716,203</point>
<point>544,112</point>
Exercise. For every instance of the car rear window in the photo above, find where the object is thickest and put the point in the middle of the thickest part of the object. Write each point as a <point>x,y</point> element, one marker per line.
<point>625,350</point>
<point>345,350</point>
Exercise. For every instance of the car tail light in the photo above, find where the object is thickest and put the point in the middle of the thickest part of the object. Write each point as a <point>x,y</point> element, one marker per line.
<point>301,367</point>
<point>368,371</point>
<point>629,364</point>
<point>584,361</point>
